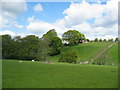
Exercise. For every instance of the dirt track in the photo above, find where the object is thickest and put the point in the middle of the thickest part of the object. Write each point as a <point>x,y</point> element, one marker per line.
<point>102,52</point>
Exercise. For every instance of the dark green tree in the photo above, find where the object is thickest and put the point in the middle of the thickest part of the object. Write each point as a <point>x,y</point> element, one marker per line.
<point>43,49</point>
<point>87,40</point>
<point>96,40</point>
<point>104,40</point>
<point>110,40</point>
<point>116,39</point>
<point>53,41</point>
<point>55,45</point>
<point>51,33</point>
<point>7,46</point>
<point>100,40</point>
<point>92,41</point>
<point>73,37</point>
<point>27,47</point>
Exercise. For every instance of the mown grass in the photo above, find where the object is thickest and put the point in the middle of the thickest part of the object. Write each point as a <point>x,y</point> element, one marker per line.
<point>38,75</point>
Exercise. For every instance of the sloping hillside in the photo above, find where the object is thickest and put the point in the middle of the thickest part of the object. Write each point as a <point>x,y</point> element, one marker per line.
<point>92,51</point>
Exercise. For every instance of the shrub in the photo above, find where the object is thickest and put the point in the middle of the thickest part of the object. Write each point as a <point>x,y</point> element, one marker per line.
<point>69,57</point>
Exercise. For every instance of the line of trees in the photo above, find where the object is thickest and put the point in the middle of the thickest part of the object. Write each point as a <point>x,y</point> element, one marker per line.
<point>105,40</point>
<point>33,47</point>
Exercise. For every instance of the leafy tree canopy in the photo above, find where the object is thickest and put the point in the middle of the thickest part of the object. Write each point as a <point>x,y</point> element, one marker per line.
<point>73,37</point>
<point>53,41</point>
<point>96,40</point>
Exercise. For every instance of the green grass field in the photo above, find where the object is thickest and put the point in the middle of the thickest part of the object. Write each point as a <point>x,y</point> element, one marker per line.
<point>110,55</point>
<point>37,75</point>
<point>62,75</point>
<point>88,51</point>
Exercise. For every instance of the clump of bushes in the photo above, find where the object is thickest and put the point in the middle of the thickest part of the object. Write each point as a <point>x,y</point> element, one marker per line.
<point>68,57</point>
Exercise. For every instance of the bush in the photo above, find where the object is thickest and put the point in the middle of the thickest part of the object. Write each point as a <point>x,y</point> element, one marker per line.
<point>69,57</point>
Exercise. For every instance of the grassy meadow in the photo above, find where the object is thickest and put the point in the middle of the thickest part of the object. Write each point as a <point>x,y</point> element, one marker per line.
<point>37,74</point>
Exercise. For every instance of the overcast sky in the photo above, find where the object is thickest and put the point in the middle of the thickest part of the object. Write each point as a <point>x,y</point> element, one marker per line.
<point>94,19</point>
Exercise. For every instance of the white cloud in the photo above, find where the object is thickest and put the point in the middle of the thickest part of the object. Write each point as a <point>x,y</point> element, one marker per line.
<point>7,23</point>
<point>80,12</point>
<point>11,9</point>
<point>77,16</point>
<point>39,27</point>
<point>110,16</point>
<point>13,34</point>
<point>2,21</point>
<point>38,7</point>
<point>7,32</point>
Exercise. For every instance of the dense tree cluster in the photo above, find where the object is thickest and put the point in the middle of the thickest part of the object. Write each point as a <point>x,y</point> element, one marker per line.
<point>54,42</point>
<point>43,50</point>
<point>73,37</point>
<point>19,48</point>
<point>33,47</point>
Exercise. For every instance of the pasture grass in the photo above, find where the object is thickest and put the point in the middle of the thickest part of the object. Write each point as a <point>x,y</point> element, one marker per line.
<point>38,75</point>
<point>113,53</point>
<point>63,75</point>
<point>85,51</point>
<point>110,56</point>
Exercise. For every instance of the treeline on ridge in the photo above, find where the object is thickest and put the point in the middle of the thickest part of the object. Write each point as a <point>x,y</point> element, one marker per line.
<point>33,47</point>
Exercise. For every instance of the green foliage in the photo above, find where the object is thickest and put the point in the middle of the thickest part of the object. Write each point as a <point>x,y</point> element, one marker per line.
<point>28,47</point>
<point>7,46</point>
<point>73,37</point>
<point>116,40</point>
<point>87,40</point>
<point>51,33</point>
<point>53,41</point>
<point>110,40</point>
<point>100,40</point>
<point>104,40</point>
<point>69,57</point>
<point>42,52</point>
<point>85,51</point>
<point>55,45</point>
<point>91,40</point>
<point>96,40</point>
<point>19,48</point>
<point>81,38</point>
